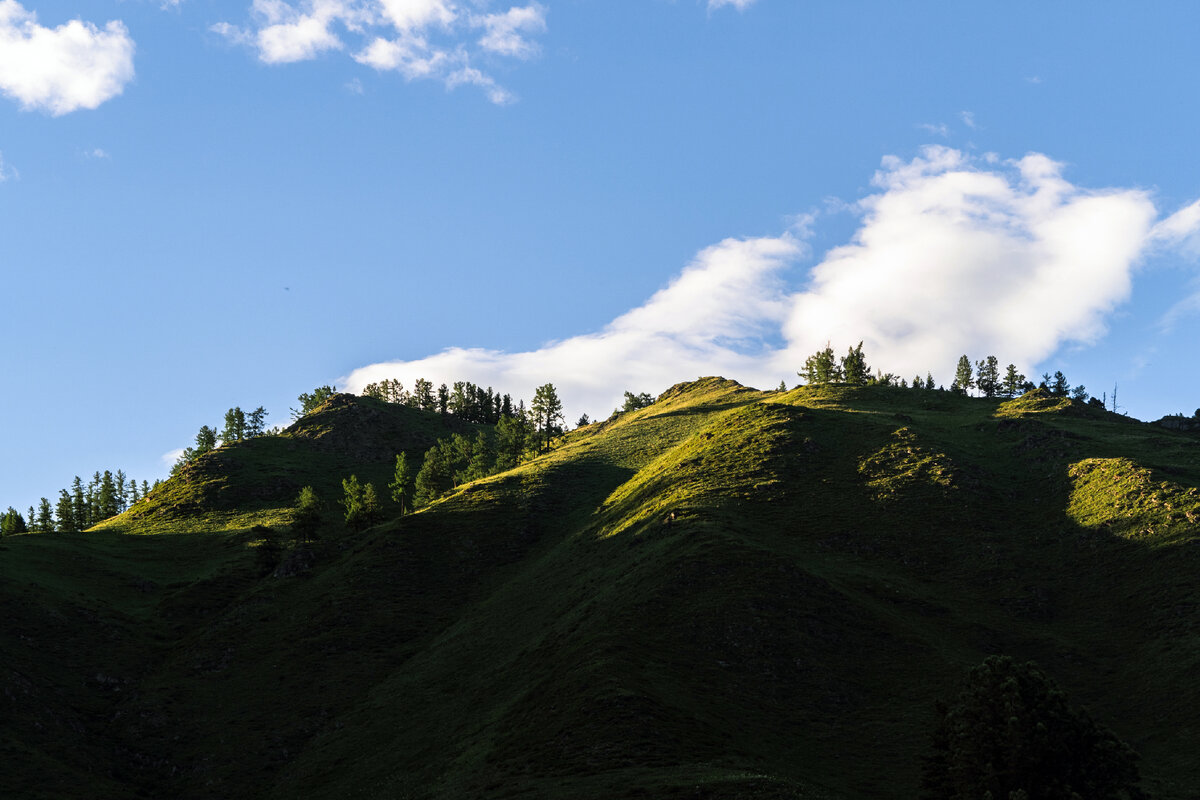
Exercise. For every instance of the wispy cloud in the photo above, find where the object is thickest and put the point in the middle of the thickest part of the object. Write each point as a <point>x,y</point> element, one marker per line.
<point>740,5</point>
<point>7,171</point>
<point>60,70</point>
<point>418,39</point>
<point>951,255</point>
<point>938,129</point>
<point>507,34</point>
<point>968,118</point>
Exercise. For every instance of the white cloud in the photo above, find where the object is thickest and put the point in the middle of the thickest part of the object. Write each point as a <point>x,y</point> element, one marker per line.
<point>1187,307</point>
<point>97,153</point>
<point>419,39</point>
<point>171,457</point>
<point>952,255</point>
<point>940,129</point>
<point>407,15</point>
<point>63,69</point>
<point>968,118</point>
<point>707,321</point>
<point>473,77</point>
<point>287,35</point>
<point>505,34</point>
<point>740,5</point>
<point>952,258</point>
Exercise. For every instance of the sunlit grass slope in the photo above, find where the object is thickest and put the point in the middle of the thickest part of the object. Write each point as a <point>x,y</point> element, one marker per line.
<point>727,594</point>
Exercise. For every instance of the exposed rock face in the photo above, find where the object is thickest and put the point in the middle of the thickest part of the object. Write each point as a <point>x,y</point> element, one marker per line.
<point>1185,424</point>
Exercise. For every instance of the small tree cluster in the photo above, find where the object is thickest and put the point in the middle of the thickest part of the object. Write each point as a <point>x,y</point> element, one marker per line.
<point>1012,735</point>
<point>465,400</point>
<point>458,459</point>
<point>80,507</point>
<point>634,402</point>
<point>311,401</point>
<point>239,425</point>
<point>11,522</point>
<point>361,503</point>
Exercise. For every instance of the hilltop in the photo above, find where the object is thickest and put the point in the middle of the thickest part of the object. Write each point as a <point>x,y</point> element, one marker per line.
<point>837,556</point>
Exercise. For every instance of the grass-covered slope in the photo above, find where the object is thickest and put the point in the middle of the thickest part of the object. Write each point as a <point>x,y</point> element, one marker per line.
<point>257,480</point>
<point>837,556</point>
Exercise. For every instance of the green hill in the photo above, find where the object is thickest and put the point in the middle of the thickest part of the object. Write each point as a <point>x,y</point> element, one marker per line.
<point>837,557</point>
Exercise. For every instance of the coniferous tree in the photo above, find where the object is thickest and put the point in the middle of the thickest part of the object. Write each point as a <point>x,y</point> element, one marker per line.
<point>1059,387</point>
<point>512,439</point>
<point>964,380</point>
<point>134,494</point>
<point>371,512</point>
<point>64,513</point>
<point>422,395</point>
<point>1080,393</point>
<point>311,401</point>
<point>854,366</point>
<point>443,400</point>
<point>106,498</point>
<point>483,457</point>
<point>987,376</point>
<point>1013,382</point>
<point>929,384</point>
<point>45,517</point>
<point>634,402</point>
<point>352,501</point>
<point>206,441</point>
<point>235,426</point>
<point>11,522</point>
<point>256,423</point>
<point>31,519</point>
<point>461,451</point>
<point>122,490</point>
<point>401,485</point>
<point>306,515</point>
<point>436,476</point>
<point>583,420</point>
<point>79,505</point>
<point>821,367</point>
<point>146,487</point>
<point>1012,734</point>
<point>547,414</point>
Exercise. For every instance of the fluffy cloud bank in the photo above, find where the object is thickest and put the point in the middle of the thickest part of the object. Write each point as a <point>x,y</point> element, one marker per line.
<point>60,70</point>
<point>419,39</point>
<point>951,255</point>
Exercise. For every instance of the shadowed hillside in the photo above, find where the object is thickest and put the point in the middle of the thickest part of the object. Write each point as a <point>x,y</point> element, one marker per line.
<point>836,558</point>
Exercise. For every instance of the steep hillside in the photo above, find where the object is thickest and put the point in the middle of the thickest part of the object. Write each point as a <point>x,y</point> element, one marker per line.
<point>836,557</point>
<point>257,480</point>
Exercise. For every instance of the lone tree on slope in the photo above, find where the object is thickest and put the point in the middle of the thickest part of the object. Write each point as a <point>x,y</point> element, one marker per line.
<point>547,414</point>
<point>1011,735</point>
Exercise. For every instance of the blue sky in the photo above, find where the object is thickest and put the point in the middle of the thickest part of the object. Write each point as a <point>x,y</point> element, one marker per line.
<point>209,203</point>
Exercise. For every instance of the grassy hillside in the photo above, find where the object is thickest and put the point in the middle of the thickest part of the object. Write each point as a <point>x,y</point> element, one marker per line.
<point>837,557</point>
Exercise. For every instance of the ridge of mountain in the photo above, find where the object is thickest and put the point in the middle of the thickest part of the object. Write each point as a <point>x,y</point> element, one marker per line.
<point>729,593</point>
